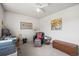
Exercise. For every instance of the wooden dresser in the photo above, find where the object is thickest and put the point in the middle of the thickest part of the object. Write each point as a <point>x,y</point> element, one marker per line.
<point>69,48</point>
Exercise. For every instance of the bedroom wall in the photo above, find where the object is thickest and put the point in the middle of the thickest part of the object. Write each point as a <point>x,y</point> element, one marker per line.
<point>1,17</point>
<point>12,21</point>
<point>70,26</point>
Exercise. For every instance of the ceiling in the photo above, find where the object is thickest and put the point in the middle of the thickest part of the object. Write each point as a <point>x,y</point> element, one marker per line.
<point>29,9</point>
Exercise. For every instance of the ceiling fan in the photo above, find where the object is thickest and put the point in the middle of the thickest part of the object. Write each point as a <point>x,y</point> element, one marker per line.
<point>40,6</point>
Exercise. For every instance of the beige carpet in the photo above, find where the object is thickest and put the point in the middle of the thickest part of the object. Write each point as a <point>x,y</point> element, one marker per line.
<point>46,50</point>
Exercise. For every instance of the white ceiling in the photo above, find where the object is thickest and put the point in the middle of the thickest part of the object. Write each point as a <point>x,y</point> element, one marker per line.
<point>29,9</point>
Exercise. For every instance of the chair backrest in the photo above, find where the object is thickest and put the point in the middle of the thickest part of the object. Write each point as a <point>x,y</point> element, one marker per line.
<point>39,35</point>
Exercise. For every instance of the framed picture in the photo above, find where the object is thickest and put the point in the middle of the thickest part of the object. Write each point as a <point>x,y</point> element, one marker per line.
<point>25,25</point>
<point>56,24</point>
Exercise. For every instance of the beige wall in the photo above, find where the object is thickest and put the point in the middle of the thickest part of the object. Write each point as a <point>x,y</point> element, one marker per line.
<point>70,26</point>
<point>1,17</point>
<point>12,21</point>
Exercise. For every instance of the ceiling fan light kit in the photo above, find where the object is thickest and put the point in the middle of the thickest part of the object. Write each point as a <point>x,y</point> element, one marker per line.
<point>38,10</point>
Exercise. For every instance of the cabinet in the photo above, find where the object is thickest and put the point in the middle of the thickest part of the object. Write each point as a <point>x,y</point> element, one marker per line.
<point>69,48</point>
